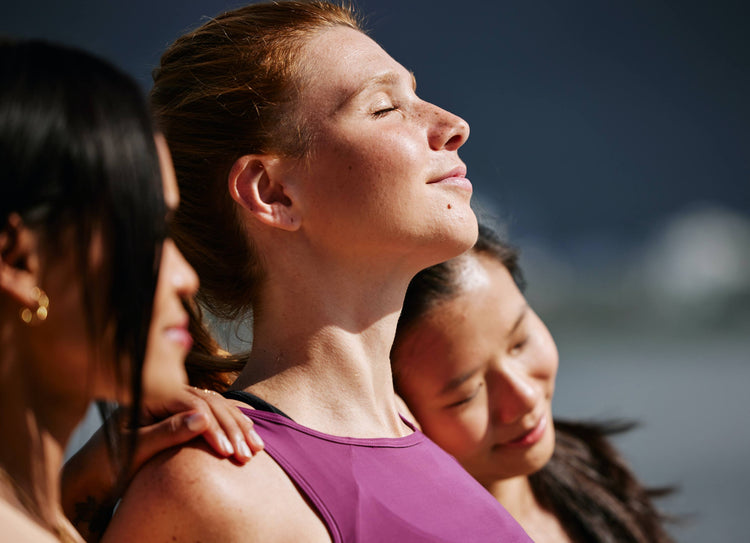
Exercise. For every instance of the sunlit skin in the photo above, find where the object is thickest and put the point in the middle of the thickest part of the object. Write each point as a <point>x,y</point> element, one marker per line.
<point>380,195</point>
<point>379,152</point>
<point>478,373</point>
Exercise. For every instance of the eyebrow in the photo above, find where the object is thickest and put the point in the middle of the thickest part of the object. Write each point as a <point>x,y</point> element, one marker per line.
<point>459,380</point>
<point>385,78</point>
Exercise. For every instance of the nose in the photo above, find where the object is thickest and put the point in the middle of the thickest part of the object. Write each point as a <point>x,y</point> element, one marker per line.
<point>182,276</point>
<point>514,393</point>
<point>447,131</point>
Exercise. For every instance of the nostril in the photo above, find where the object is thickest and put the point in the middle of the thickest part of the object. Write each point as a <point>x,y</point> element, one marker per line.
<point>447,131</point>
<point>457,133</point>
<point>454,142</point>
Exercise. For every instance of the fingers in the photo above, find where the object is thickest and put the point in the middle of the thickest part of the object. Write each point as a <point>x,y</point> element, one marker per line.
<point>227,430</point>
<point>230,432</point>
<point>172,431</point>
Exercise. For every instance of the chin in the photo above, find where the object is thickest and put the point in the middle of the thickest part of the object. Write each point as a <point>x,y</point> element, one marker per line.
<point>540,455</point>
<point>470,232</point>
<point>460,237</point>
<point>518,462</point>
<point>523,467</point>
<point>165,379</point>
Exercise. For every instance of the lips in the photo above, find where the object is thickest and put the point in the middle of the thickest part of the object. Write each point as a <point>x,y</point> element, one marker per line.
<point>454,178</point>
<point>178,333</point>
<point>529,437</point>
<point>459,172</point>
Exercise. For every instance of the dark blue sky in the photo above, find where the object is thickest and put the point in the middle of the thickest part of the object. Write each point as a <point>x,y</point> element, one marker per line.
<point>588,117</point>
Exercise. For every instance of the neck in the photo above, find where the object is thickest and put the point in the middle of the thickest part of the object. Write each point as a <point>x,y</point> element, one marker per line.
<point>321,350</point>
<point>30,460</point>
<point>517,496</point>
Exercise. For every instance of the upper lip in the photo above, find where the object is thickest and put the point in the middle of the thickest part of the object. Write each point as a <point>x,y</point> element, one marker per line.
<point>181,323</point>
<point>528,430</point>
<point>458,171</point>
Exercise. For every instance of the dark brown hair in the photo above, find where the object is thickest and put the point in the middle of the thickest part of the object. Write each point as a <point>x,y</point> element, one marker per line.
<point>593,491</point>
<point>586,483</point>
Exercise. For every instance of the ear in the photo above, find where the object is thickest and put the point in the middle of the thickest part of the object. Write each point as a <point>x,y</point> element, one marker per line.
<point>257,183</point>
<point>19,261</point>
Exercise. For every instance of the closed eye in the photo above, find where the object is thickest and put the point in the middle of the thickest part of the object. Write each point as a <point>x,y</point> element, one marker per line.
<point>519,345</point>
<point>467,399</point>
<point>385,111</point>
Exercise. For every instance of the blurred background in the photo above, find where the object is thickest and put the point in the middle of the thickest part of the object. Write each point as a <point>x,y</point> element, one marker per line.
<point>611,142</point>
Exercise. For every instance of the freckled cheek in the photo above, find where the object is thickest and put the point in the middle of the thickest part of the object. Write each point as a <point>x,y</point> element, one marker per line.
<point>382,150</point>
<point>372,183</point>
<point>355,169</point>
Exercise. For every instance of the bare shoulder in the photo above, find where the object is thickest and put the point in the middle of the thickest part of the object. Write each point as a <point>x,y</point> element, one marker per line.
<point>190,494</point>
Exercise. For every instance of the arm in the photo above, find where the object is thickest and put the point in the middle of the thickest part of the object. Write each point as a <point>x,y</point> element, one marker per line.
<point>88,478</point>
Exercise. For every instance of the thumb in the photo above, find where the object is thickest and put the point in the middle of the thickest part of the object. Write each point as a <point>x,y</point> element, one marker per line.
<point>167,433</point>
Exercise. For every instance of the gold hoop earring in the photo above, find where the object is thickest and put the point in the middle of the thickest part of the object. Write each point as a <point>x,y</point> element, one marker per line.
<point>39,314</point>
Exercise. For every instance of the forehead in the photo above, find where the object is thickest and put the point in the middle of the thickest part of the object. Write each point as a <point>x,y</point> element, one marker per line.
<point>436,348</point>
<point>461,332</point>
<point>340,61</point>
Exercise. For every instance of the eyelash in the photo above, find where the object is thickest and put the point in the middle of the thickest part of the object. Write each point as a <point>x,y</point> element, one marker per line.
<point>384,111</point>
<point>467,399</point>
<point>519,345</point>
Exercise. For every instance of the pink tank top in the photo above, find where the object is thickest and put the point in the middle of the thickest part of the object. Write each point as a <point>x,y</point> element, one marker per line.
<point>399,490</point>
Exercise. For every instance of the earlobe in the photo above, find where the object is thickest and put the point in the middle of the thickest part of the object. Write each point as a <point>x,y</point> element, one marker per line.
<point>19,262</point>
<point>257,184</point>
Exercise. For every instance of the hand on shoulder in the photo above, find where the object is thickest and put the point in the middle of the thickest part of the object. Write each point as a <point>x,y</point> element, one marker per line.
<point>190,494</point>
<point>88,478</point>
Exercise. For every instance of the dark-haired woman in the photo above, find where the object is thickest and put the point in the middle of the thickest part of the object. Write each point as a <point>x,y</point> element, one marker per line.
<point>91,288</point>
<point>476,366</point>
<point>315,184</point>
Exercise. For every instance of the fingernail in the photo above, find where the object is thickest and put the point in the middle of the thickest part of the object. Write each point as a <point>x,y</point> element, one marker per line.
<point>244,449</point>
<point>195,422</point>
<point>255,440</point>
<point>226,445</point>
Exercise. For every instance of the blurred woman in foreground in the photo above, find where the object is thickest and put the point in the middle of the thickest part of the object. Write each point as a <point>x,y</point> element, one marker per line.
<point>90,283</point>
